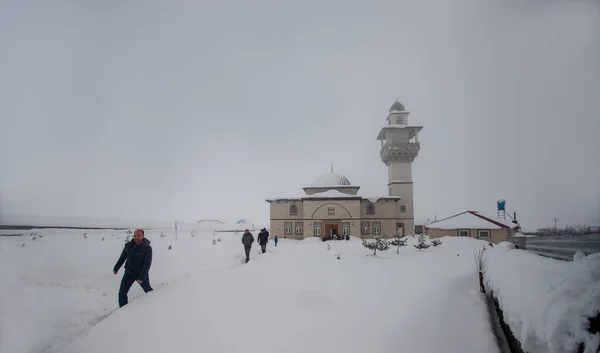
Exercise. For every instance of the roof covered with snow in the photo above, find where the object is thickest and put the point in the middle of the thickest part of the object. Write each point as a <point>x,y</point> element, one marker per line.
<point>471,220</point>
<point>330,180</point>
<point>335,194</point>
<point>331,194</point>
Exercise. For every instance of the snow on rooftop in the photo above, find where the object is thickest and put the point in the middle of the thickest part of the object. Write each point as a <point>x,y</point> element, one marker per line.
<point>330,194</point>
<point>330,180</point>
<point>469,220</point>
<point>335,194</point>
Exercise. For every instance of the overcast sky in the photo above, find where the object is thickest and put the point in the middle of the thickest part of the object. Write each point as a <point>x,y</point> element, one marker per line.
<point>191,110</point>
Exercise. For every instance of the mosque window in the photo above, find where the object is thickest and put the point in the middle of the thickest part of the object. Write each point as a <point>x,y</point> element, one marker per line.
<point>399,120</point>
<point>403,208</point>
<point>298,228</point>
<point>370,208</point>
<point>293,210</point>
<point>365,226</point>
<point>317,230</point>
<point>287,228</point>
<point>331,211</point>
<point>376,228</point>
<point>345,229</point>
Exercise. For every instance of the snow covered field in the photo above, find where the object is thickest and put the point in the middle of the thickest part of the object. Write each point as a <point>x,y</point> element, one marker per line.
<point>58,294</point>
<point>546,302</point>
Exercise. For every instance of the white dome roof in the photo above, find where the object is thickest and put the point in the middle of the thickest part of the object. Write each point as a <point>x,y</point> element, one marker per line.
<point>331,180</point>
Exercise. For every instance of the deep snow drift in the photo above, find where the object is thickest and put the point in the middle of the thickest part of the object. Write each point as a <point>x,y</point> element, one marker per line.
<point>546,302</point>
<point>59,294</point>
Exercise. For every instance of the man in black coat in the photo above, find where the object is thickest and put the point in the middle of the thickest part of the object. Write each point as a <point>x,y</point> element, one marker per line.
<point>263,239</point>
<point>138,254</point>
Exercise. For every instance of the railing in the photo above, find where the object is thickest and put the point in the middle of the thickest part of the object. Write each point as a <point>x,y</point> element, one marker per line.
<point>405,152</point>
<point>561,247</point>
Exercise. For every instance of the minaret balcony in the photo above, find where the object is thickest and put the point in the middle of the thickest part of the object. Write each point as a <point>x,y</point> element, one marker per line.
<point>399,152</point>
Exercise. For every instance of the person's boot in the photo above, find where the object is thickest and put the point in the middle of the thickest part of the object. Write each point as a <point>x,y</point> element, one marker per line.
<point>247,260</point>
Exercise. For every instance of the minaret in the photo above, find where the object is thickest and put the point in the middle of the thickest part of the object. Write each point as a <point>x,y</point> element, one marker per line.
<point>399,148</point>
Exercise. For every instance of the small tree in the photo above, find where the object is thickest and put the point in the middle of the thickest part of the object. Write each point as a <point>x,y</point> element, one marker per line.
<point>398,242</point>
<point>214,242</point>
<point>422,244</point>
<point>378,244</point>
<point>436,243</point>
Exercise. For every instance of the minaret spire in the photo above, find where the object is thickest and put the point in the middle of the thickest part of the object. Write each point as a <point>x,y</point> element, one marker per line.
<point>332,168</point>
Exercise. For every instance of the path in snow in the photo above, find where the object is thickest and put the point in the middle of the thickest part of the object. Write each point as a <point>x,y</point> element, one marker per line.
<point>58,287</point>
<point>299,297</point>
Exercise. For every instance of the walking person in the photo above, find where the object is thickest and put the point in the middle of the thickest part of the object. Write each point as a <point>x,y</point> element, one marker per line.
<point>276,239</point>
<point>263,239</point>
<point>247,240</point>
<point>138,254</point>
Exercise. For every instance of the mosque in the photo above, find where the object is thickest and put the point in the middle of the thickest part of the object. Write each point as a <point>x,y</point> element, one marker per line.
<point>331,205</point>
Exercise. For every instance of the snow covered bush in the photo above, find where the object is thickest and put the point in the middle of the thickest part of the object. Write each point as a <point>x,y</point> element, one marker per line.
<point>378,244</point>
<point>549,305</point>
<point>398,242</point>
<point>436,243</point>
<point>422,245</point>
<point>162,235</point>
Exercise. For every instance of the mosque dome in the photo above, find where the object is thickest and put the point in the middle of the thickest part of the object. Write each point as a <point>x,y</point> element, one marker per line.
<point>331,180</point>
<point>397,106</point>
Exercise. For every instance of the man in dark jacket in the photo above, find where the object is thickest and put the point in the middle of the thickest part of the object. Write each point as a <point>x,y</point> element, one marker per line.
<point>247,240</point>
<point>138,254</point>
<point>263,239</point>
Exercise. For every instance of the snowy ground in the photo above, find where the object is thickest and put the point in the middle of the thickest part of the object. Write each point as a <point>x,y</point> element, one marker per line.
<point>58,294</point>
<point>546,302</point>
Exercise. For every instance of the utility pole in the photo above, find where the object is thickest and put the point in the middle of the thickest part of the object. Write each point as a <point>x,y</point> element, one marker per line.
<point>555,226</point>
<point>175,230</point>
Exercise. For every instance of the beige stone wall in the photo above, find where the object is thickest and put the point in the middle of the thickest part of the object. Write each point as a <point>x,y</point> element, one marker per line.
<point>277,228</point>
<point>383,209</point>
<point>344,209</point>
<point>281,209</point>
<point>497,235</point>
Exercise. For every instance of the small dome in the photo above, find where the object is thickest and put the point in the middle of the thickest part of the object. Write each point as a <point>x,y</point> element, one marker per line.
<point>330,180</point>
<point>397,106</point>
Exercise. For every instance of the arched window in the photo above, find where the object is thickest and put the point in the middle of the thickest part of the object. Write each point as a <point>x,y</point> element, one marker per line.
<point>293,210</point>
<point>399,120</point>
<point>370,208</point>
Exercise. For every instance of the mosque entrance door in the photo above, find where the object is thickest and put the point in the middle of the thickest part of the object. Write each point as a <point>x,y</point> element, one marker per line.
<point>331,229</point>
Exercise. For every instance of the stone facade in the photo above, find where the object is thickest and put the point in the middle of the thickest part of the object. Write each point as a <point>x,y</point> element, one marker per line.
<point>399,148</point>
<point>331,205</point>
<point>496,235</point>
